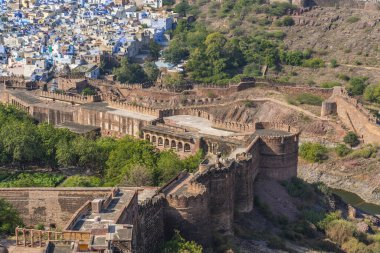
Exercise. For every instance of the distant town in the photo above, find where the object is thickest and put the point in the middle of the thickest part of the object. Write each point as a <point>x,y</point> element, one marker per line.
<point>40,38</point>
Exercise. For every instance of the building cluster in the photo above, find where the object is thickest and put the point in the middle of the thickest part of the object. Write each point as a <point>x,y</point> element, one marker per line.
<point>40,37</point>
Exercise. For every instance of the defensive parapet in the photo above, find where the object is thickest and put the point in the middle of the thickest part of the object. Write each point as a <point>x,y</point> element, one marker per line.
<point>141,109</point>
<point>69,98</point>
<point>278,150</point>
<point>234,126</point>
<point>17,82</point>
<point>188,211</point>
<point>150,227</point>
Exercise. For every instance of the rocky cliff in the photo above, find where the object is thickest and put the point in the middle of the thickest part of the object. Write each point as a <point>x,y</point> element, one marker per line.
<point>359,176</point>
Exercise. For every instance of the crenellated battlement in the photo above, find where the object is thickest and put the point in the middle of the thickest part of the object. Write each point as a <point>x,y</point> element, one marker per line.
<point>69,98</point>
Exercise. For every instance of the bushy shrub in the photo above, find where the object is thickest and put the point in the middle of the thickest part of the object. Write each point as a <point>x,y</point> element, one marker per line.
<point>372,93</point>
<point>82,181</point>
<point>298,188</point>
<point>314,63</point>
<point>313,152</point>
<point>342,150</point>
<point>357,85</point>
<point>32,180</point>
<point>351,139</point>
<point>353,19</point>
<point>353,245</point>
<point>308,99</point>
<point>330,217</point>
<point>365,152</point>
<point>340,231</point>
<point>288,21</point>
<point>9,218</point>
<point>331,84</point>
<point>179,244</point>
<point>334,63</point>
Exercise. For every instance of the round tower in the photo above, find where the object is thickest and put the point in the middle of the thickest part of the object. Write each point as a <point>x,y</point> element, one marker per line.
<point>278,150</point>
<point>188,211</point>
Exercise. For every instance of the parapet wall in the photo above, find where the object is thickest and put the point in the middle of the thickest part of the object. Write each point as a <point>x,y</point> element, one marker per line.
<point>150,226</point>
<point>189,213</point>
<point>69,98</point>
<point>50,205</point>
<point>159,113</point>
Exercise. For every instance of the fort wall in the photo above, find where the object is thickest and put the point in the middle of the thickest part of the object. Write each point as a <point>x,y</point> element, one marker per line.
<point>68,98</point>
<point>353,115</point>
<point>150,227</point>
<point>189,214</point>
<point>50,205</point>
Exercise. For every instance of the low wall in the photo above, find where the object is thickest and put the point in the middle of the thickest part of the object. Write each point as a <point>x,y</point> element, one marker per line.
<point>68,98</point>
<point>50,205</point>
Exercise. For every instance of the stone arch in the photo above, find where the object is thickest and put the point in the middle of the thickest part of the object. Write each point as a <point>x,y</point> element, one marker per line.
<point>147,137</point>
<point>154,139</point>
<point>160,141</point>
<point>173,144</point>
<point>180,146</point>
<point>166,143</point>
<point>187,147</point>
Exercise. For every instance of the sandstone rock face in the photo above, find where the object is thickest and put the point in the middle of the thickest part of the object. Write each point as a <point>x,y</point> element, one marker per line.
<point>360,177</point>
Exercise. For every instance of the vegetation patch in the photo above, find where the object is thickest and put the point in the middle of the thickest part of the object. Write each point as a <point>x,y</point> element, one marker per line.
<point>313,152</point>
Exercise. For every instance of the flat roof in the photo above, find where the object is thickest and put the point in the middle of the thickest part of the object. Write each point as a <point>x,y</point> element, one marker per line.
<point>104,107</point>
<point>204,125</point>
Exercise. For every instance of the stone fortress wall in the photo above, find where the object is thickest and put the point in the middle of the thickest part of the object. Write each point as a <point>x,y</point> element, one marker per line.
<point>209,200</point>
<point>197,204</point>
<point>50,205</point>
<point>353,115</point>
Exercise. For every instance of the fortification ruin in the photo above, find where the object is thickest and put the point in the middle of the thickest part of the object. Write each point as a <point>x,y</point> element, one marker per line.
<point>198,204</point>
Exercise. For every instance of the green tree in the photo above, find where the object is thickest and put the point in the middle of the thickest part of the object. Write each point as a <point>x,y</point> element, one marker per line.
<point>288,21</point>
<point>127,153</point>
<point>50,137</point>
<point>372,93</point>
<point>139,175</point>
<point>130,73</point>
<point>88,91</point>
<point>176,52</point>
<point>342,150</point>
<point>173,80</point>
<point>182,8</point>
<point>154,49</point>
<point>179,245</point>
<point>357,85</point>
<point>351,139</point>
<point>151,71</point>
<point>313,152</point>
<point>20,141</point>
<point>168,166</point>
<point>9,218</point>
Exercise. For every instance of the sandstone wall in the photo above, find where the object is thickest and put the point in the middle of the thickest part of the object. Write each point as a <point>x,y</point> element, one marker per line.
<point>150,235</point>
<point>50,205</point>
<point>190,214</point>
<point>111,124</point>
<point>355,116</point>
<point>51,115</point>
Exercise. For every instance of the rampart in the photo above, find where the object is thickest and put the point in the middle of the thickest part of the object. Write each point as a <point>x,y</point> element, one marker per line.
<point>69,98</point>
<point>17,82</point>
<point>159,113</point>
<point>150,227</point>
<point>353,115</point>
<point>209,200</point>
